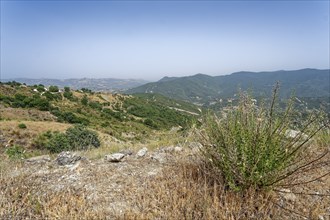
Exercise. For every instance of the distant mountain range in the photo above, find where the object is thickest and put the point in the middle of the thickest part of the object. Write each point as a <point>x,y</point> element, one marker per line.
<point>202,88</point>
<point>105,84</point>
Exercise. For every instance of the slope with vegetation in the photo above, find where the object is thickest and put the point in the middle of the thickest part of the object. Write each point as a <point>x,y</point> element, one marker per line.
<point>122,117</point>
<point>204,89</point>
<point>254,160</point>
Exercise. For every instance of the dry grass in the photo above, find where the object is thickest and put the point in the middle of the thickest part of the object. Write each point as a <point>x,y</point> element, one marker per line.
<point>25,114</point>
<point>145,189</point>
<point>180,190</point>
<point>24,137</point>
<point>184,192</point>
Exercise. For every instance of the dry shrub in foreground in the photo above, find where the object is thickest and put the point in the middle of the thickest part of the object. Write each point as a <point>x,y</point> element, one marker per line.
<point>260,146</point>
<point>185,192</point>
<point>20,198</point>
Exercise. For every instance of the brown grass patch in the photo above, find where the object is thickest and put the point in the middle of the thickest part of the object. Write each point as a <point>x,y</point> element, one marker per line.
<point>11,132</point>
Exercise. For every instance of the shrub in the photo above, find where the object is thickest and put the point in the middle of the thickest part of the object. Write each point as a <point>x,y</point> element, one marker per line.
<point>40,88</point>
<point>41,141</point>
<point>80,138</point>
<point>53,89</point>
<point>150,123</point>
<point>58,142</point>
<point>84,100</point>
<point>16,152</point>
<point>75,138</point>
<point>69,117</point>
<point>95,105</point>
<point>50,96</point>
<point>22,125</point>
<point>250,147</point>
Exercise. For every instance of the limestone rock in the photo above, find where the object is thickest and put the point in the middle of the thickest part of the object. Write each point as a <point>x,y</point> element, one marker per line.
<point>178,149</point>
<point>114,158</point>
<point>288,195</point>
<point>142,152</point>
<point>39,159</point>
<point>67,158</point>
<point>293,134</point>
<point>127,152</point>
<point>160,157</point>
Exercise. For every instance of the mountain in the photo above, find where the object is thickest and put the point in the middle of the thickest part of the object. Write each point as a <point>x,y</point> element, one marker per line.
<point>103,84</point>
<point>202,88</point>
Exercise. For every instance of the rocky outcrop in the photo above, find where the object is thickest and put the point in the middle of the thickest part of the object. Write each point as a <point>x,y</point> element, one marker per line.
<point>114,158</point>
<point>67,158</point>
<point>39,159</point>
<point>142,152</point>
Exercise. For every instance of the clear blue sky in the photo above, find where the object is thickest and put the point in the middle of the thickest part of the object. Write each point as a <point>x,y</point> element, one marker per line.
<point>144,39</point>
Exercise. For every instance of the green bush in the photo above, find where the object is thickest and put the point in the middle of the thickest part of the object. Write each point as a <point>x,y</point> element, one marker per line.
<point>84,100</point>
<point>58,142</point>
<point>75,138</point>
<point>150,123</point>
<point>249,146</point>
<point>69,117</point>
<point>16,152</point>
<point>22,125</point>
<point>50,96</point>
<point>95,105</point>
<point>53,89</point>
<point>40,88</point>
<point>41,141</point>
<point>80,138</point>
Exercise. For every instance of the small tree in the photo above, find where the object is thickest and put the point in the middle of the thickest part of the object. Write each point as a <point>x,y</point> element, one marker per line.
<point>53,89</point>
<point>84,100</point>
<point>67,89</point>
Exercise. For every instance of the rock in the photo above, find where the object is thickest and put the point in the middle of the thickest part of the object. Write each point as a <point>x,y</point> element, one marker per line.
<point>195,146</point>
<point>293,134</point>
<point>67,158</point>
<point>39,159</point>
<point>178,149</point>
<point>127,152</point>
<point>114,158</point>
<point>169,149</point>
<point>142,152</point>
<point>160,157</point>
<point>288,195</point>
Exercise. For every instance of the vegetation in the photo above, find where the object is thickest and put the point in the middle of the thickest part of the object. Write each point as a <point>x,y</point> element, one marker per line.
<point>206,89</point>
<point>15,152</point>
<point>75,138</point>
<point>53,89</point>
<point>246,148</point>
<point>22,125</point>
<point>81,138</point>
<point>251,146</point>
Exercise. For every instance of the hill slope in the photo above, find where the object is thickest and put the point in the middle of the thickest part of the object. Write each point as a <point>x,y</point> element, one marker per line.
<point>203,88</point>
<point>104,84</point>
<point>121,116</point>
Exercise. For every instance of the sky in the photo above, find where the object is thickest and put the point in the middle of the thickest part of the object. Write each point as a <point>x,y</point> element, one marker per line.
<point>152,39</point>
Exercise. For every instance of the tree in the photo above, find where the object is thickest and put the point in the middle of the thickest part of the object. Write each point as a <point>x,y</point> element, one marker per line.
<point>53,89</point>
<point>84,100</point>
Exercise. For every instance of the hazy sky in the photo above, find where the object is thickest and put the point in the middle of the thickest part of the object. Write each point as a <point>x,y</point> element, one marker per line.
<point>151,39</point>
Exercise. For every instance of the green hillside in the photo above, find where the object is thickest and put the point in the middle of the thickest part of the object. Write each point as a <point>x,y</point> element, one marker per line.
<point>114,114</point>
<point>204,89</point>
